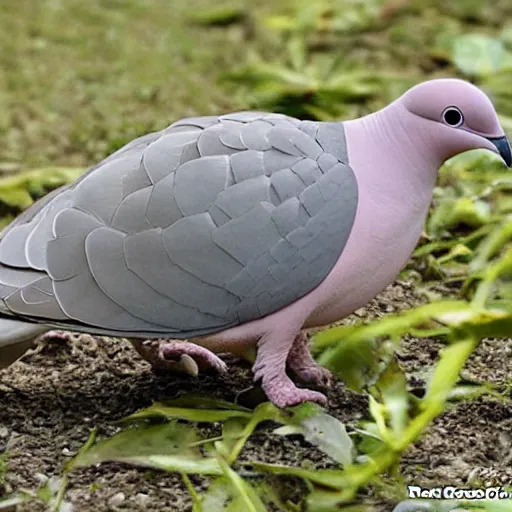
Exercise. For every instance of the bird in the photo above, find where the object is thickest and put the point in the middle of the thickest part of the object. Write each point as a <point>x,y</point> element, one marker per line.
<point>238,232</point>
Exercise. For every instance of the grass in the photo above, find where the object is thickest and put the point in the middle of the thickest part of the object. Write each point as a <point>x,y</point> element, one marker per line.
<point>79,80</point>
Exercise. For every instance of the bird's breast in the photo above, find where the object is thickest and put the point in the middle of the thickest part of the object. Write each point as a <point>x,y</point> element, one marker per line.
<point>385,233</point>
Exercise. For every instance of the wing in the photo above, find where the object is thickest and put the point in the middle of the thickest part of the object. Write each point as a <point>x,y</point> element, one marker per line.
<point>211,223</point>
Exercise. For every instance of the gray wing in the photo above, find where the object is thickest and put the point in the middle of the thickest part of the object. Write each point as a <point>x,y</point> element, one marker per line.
<point>211,223</point>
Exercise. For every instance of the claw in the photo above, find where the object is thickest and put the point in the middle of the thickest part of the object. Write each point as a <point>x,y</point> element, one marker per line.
<point>189,365</point>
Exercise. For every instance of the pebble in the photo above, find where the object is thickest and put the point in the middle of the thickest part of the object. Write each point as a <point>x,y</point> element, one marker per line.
<point>54,484</point>
<point>142,499</point>
<point>66,506</point>
<point>4,432</point>
<point>117,499</point>
<point>41,478</point>
<point>13,440</point>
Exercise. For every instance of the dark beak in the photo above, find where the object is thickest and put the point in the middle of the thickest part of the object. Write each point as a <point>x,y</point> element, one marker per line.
<point>503,146</point>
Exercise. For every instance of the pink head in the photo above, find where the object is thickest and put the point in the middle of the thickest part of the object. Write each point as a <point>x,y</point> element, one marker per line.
<point>455,117</point>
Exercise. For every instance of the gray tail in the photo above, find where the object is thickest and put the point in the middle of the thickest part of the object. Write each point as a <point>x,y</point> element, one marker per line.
<point>16,338</point>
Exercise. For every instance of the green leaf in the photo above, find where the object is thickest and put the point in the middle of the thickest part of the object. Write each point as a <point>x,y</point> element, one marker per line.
<point>21,189</point>
<point>494,242</point>
<point>298,414</point>
<point>16,197</point>
<point>454,212</point>
<point>471,392</point>
<point>297,52</point>
<point>218,16</point>
<point>233,430</point>
<point>325,432</point>
<point>198,401</point>
<point>478,54</point>
<point>446,373</point>
<point>330,436</point>
<point>264,412</point>
<point>326,477</point>
<point>288,430</point>
<point>170,446</point>
<point>248,499</point>
<point>161,410</point>
<point>163,439</point>
<point>354,361</point>
<point>351,351</point>
<point>495,506</point>
<point>392,386</point>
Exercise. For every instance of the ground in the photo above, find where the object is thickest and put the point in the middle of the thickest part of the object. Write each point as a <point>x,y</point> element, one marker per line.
<point>54,396</point>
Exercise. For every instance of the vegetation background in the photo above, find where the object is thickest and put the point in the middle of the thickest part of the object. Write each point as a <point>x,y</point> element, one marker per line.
<point>424,383</point>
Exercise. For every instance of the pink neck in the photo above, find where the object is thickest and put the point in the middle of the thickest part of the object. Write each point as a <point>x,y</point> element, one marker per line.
<point>394,150</point>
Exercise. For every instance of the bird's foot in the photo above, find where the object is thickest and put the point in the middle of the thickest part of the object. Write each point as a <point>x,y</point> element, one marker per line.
<point>179,356</point>
<point>282,392</point>
<point>302,364</point>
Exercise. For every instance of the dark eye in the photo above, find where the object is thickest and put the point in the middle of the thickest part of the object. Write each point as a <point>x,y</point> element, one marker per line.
<point>452,116</point>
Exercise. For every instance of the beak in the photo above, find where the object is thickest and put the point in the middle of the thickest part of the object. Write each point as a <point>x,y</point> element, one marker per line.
<point>503,146</point>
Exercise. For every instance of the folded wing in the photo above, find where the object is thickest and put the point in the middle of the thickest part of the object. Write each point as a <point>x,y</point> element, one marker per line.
<point>211,223</point>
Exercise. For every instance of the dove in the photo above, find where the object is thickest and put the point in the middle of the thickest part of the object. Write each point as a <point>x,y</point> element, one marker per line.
<point>238,232</point>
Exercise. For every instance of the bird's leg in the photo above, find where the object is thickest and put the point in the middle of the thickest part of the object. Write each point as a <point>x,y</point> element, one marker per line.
<point>178,355</point>
<point>270,367</point>
<point>302,364</point>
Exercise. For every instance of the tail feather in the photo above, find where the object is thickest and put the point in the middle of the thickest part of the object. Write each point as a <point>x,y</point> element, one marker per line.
<point>16,338</point>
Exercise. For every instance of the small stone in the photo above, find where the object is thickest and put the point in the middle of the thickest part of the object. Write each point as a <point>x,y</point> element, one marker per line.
<point>13,440</point>
<point>66,452</point>
<point>4,432</point>
<point>117,500</point>
<point>66,506</point>
<point>142,499</point>
<point>41,478</point>
<point>54,484</point>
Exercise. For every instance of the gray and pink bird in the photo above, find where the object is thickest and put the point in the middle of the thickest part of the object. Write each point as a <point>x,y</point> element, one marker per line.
<point>238,231</point>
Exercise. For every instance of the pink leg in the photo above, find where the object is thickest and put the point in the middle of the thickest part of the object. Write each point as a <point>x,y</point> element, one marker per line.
<point>270,367</point>
<point>178,355</point>
<point>302,364</point>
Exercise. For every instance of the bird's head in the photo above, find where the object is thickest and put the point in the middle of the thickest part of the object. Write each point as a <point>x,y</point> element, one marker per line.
<point>460,118</point>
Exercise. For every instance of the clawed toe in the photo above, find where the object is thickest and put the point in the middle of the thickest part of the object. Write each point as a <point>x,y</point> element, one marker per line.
<point>316,375</point>
<point>178,356</point>
<point>284,393</point>
<point>190,358</point>
<point>302,364</point>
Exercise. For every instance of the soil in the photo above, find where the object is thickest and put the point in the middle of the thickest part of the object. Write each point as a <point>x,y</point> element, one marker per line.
<point>53,397</point>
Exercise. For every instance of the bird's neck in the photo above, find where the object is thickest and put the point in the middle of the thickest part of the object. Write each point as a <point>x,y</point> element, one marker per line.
<point>393,152</point>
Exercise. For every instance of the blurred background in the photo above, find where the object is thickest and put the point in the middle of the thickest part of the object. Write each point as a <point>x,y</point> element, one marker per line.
<point>79,79</point>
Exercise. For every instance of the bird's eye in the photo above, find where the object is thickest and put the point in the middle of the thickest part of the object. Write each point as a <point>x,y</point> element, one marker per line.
<point>452,116</point>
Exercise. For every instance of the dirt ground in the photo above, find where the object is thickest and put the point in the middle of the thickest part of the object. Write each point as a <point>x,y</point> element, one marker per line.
<point>54,396</point>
